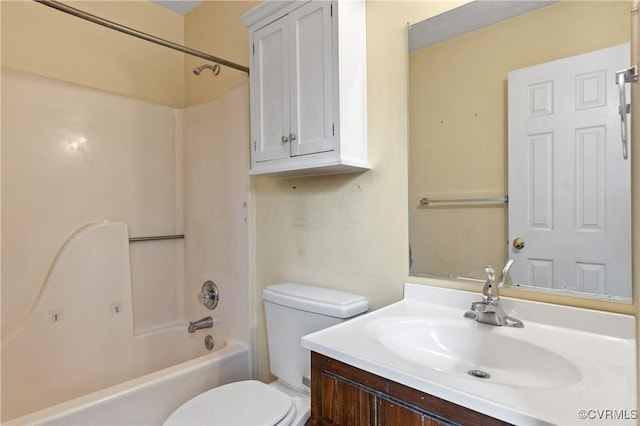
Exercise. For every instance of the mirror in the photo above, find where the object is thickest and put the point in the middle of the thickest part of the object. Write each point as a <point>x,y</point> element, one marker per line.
<point>464,199</point>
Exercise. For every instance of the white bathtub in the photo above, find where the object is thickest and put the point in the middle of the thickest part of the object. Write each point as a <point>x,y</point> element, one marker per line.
<point>150,399</point>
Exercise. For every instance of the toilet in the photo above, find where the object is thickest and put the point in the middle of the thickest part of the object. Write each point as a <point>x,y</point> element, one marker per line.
<point>292,311</point>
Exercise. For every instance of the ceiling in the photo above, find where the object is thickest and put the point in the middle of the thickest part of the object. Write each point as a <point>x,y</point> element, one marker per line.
<point>181,7</point>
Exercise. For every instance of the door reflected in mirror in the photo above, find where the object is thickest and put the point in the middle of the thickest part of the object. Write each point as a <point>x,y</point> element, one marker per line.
<point>473,141</point>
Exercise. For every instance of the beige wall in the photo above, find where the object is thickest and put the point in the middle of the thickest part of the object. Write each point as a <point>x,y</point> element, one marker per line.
<point>458,131</point>
<point>47,42</point>
<point>43,41</point>
<point>348,231</point>
<point>351,231</point>
<point>215,27</point>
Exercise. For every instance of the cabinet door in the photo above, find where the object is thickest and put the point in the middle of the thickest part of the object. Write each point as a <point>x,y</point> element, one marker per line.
<point>342,395</point>
<point>393,414</point>
<point>345,404</point>
<point>311,70</point>
<point>270,87</point>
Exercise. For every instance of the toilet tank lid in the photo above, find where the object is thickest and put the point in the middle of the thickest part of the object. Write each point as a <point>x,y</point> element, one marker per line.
<point>319,300</point>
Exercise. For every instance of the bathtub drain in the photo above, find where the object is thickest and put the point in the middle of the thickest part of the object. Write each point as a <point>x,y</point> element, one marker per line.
<point>208,342</point>
<point>479,374</point>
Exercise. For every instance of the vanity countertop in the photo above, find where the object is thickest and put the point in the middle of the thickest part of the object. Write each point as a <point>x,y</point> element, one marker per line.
<point>582,366</point>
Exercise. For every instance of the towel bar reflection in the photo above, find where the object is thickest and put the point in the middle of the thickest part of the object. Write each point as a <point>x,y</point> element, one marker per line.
<point>157,237</point>
<point>428,201</point>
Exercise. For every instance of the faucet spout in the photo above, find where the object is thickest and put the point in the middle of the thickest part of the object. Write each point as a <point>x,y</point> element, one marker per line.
<point>505,272</point>
<point>206,322</point>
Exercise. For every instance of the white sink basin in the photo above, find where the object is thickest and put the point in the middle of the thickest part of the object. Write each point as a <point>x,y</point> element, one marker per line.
<point>480,352</point>
<point>565,364</point>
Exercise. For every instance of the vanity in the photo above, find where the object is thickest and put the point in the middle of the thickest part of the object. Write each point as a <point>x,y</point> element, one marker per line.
<point>345,395</point>
<point>419,361</point>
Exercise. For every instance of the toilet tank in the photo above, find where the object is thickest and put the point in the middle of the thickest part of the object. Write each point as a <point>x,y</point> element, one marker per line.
<point>295,310</point>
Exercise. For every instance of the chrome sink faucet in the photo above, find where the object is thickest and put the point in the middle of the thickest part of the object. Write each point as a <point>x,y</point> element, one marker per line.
<point>489,309</point>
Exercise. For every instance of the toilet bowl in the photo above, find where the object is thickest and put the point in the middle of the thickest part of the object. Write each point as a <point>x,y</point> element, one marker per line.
<point>292,311</point>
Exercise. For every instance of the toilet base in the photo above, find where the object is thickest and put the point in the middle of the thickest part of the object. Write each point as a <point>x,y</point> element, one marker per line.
<point>301,400</point>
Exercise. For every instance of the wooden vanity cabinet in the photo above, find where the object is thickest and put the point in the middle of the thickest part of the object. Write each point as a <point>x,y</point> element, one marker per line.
<point>347,396</point>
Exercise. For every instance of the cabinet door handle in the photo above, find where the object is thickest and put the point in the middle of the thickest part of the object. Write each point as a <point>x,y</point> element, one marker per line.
<point>292,136</point>
<point>284,139</point>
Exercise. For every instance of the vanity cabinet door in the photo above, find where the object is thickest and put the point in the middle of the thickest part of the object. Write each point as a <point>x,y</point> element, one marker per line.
<point>346,403</point>
<point>346,396</point>
<point>394,414</point>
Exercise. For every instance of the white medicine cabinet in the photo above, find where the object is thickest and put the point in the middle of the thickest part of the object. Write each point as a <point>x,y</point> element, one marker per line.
<point>308,87</point>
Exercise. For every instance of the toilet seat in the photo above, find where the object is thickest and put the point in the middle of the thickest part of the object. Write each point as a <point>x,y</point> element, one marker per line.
<point>248,402</point>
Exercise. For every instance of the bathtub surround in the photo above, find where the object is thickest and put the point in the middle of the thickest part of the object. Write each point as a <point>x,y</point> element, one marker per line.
<point>72,156</point>
<point>216,199</point>
<point>118,162</point>
<point>142,147</point>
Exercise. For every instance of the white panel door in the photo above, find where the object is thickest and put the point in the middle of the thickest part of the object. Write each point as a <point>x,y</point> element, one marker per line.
<point>569,187</point>
<point>312,79</point>
<point>271,91</point>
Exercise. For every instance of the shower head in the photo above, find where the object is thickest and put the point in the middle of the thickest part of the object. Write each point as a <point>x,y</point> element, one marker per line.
<point>215,68</point>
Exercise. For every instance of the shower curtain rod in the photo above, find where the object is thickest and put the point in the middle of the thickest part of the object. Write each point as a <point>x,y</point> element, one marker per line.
<point>139,34</point>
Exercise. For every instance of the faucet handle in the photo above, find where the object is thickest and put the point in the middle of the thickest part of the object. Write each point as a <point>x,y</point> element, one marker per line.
<point>491,273</point>
<point>477,306</point>
<point>489,291</point>
<point>209,295</point>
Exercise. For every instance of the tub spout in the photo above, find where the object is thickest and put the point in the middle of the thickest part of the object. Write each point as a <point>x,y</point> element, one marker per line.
<point>206,322</point>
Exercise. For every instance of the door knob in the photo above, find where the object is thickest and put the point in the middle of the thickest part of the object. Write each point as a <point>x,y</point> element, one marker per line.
<point>518,243</point>
<point>284,139</point>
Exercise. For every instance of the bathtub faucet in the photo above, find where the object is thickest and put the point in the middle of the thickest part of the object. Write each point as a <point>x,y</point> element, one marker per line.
<point>489,310</point>
<point>206,322</point>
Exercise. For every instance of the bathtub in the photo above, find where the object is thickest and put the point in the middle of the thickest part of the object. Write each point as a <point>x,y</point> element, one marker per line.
<point>150,399</point>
